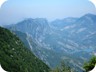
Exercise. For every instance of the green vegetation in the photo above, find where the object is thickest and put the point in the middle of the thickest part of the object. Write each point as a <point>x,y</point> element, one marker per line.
<point>15,57</point>
<point>90,65</point>
<point>62,68</point>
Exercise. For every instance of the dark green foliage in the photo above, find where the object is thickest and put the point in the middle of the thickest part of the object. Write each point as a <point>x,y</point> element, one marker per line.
<point>14,57</point>
<point>22,37</point>
<point>90,65</point>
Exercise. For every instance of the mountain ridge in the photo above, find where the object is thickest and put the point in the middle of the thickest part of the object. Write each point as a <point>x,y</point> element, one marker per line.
<point>64,38</point>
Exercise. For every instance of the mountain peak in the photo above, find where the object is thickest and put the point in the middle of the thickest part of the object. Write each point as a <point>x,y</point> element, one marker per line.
<point>90,15</point>
<point>37,19</point>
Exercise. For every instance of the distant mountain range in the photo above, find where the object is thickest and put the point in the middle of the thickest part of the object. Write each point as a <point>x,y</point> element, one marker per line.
<point>72,40</point>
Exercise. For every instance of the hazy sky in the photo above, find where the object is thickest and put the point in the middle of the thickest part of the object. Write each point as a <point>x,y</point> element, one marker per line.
<point>16,10</point>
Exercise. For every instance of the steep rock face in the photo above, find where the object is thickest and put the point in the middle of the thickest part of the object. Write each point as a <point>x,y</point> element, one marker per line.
<point>15,57</point>
<point>35,27</point>
<point>43,52</point>
<point>71,39</point>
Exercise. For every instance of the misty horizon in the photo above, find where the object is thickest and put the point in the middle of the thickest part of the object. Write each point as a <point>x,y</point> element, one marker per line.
<point>45,18</point>
<point>14,11</point>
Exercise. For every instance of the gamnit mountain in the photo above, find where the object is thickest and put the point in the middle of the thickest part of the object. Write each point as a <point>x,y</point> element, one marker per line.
<point>72,40</point>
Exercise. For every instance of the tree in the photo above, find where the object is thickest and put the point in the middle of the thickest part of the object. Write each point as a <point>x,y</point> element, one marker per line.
<point>62,68</point>
<point>90,65</point>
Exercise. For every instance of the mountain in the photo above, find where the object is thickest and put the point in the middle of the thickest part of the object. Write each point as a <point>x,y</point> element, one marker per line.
<point>71,39</point>
<point>15,57</point>
<point>61,23</point>
<point>35,27</point>
<point>42,52</point>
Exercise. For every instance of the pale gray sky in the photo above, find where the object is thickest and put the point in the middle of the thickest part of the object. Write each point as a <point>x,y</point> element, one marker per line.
<point>16,10</point>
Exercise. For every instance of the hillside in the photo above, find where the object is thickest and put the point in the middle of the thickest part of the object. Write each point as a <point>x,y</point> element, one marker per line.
<point>15,57</point>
